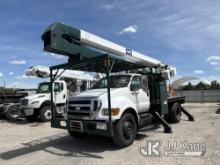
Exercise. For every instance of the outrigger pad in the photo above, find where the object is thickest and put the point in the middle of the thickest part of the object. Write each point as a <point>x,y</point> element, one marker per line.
<point>167,128</point>
<point>190,117</point>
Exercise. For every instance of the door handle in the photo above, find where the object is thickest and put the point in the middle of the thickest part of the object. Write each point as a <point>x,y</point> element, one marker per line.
<point>64,96</point>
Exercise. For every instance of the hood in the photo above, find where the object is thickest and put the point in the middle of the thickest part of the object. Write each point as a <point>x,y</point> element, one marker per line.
<point>92,93</point>
<point>36,96</point>
<point>98,92</point>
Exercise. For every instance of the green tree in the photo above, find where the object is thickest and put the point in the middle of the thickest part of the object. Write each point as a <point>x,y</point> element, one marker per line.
<point>6,90</point>
<point>201,85</point>
<point>215,85</point>
<point>189,86</point>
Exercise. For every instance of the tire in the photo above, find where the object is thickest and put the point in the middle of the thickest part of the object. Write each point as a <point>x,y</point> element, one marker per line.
<point>175,113</point>
<point>45,113</point>
<point>125,130</point>
<point>76,135</point>
<point>12,113</point>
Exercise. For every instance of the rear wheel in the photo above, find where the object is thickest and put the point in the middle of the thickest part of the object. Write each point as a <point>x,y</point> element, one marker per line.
<point>125,130</point>
<point>45,113</point>
<point>174,115</point>
<point>12,113</point>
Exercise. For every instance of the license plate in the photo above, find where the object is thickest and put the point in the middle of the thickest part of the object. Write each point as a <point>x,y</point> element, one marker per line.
<point>102,126</point>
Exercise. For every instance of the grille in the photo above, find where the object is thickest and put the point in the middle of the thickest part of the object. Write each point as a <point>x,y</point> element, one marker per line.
<point>81,108</point>
<point>24,102</point>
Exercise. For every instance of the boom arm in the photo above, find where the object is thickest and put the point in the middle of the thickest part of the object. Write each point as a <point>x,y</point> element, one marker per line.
<point>79,44</point>
<point>66,40</point>
<point>44,72</point>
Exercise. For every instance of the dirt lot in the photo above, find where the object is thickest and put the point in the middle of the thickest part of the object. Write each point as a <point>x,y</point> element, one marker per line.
<point>34,143</point>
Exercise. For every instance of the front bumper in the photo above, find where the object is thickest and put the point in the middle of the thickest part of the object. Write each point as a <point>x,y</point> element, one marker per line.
<point>84,126</point>
<point>27,111</point>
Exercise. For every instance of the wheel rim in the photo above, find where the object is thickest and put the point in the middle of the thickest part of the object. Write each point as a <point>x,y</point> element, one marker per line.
<point>14,113</point>
<point>48,114</point>
<point>128,129</point>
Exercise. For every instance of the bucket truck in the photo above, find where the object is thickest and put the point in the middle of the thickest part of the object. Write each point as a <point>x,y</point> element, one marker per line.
<point>119,104</point>
<point>38,105</point>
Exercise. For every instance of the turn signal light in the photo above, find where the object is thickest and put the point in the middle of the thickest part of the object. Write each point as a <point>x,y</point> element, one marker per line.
<point>115,111</point>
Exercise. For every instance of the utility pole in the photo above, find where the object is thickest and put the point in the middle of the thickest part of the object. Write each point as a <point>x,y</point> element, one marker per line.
<point>4,83</point>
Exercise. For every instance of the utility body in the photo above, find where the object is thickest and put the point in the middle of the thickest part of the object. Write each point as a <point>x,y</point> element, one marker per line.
<point>119,104</point>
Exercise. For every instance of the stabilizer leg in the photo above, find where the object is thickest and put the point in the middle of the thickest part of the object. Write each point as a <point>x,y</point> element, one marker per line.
<point>190,117</point>
<point>167,128</point>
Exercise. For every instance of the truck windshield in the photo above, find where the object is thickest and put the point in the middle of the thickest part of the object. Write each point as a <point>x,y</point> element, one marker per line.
<point>116,81</point>
<point>43,88</point>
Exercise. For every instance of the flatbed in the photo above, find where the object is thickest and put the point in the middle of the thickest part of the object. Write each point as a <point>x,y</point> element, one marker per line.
<point>179,99</point>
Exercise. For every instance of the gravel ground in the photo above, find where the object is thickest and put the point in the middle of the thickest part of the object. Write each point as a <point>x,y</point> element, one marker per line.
<point>34,143</point>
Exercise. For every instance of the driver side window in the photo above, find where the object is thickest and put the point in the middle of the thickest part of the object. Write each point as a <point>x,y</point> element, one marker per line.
<point>135,83</point>
<point>58,87</point>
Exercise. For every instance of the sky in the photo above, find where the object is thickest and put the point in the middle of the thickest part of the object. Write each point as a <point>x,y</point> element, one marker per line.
<point>185,34</point>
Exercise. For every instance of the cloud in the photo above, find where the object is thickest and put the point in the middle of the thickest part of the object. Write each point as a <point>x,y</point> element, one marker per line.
<point>24,77</point>
<point>214,63</point>
<point>212,78</point>
<point>129,29</point>
<point>11,73</point>
<point>21,84</point>
<point>18,62</point>
<point>114,6</point>
<point>198,72</point>
<point>56,56</point>
<point>108,6</point>
<point>213,60</point>
<point>1,74</point>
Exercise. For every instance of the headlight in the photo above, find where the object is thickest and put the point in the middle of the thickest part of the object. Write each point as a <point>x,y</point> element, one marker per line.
<point>97,105</point>
<point>115,111</point>
<point>35,102</point>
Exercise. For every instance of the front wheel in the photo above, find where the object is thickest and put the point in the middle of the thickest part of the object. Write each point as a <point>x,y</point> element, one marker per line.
<point>125,130</point>
<point>45,113</point>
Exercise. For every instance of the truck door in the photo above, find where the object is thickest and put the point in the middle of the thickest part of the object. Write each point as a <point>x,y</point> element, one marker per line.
<point>139,94</point>
<point>59,93</point>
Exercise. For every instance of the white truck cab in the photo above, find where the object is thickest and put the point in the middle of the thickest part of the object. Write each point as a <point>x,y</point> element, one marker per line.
<point>127,93</point>
<point>38,105</point>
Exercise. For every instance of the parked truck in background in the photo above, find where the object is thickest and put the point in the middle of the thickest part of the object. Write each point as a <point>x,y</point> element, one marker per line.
<point>39,106</point>
<point>118,105</point>
<point>10,103</point>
